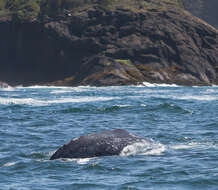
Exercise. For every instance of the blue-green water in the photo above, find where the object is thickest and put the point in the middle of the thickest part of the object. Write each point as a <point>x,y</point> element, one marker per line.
<point>182,121</point>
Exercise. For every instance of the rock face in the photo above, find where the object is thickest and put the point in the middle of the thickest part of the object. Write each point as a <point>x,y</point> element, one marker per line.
<point>106,143</point>
<point>204,9</point>
<point>3,85</point>
<point>110,47</point>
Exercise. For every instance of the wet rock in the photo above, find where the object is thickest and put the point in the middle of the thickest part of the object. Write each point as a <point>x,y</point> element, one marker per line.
<point>3,85</point>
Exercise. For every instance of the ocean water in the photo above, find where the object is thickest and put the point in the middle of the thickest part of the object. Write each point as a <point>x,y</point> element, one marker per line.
<point>181,121</point>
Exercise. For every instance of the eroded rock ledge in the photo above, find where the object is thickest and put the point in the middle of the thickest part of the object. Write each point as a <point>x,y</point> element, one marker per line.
<point>109,47</point>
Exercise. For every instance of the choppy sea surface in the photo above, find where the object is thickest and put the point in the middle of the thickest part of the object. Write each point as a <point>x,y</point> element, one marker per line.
<point>181,121</point>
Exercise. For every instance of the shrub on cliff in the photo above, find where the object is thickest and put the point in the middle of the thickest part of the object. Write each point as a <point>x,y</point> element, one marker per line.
<point>14,5</point>
<point>27,11</point>
<point>2,4</point>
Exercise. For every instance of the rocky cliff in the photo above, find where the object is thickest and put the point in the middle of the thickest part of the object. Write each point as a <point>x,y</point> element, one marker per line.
<point>98,46</point>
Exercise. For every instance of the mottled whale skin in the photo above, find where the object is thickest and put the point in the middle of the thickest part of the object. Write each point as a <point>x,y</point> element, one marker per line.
<point>105,143</point>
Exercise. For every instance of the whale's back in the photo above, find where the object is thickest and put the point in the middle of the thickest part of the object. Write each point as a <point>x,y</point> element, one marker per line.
<point>106,143</point>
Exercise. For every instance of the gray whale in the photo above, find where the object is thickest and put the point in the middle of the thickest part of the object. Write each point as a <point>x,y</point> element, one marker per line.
<point>105,143</point>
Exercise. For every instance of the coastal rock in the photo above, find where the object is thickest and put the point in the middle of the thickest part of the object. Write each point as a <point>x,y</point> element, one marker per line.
<point>3,85</point>
<point>104,47</point>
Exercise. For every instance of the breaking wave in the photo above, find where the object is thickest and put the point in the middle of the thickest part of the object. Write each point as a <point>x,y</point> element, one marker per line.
<point>80,161</point>
<point>9,88</point>
<point>36,102</point>
<point>22,101</point>
<point>191,145</point>
<point>8,164</point>
<point>200,98</point>
<point>46,87</point>
<point>143,148</point>
<point>158,85</point>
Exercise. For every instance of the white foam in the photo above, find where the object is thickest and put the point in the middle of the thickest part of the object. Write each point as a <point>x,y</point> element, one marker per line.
<point>181,146</point>
<point>80,99</point>
<point>192,145</point>
<point>60,91</point>
<point>51,153</point>
<point>158,85</point>
<point>38,86</point>
<point>36,102</point>
<point>80,161</point>
<point>210,90</point>
<point>143,148</point>
<point>83,161</point>
<point>9,164</point>
<point>78,88</point>
<point>123,106</point>
<point>21,101</point>
<point>201,98</point>
<point>9,88</point>
<point>178,97</point>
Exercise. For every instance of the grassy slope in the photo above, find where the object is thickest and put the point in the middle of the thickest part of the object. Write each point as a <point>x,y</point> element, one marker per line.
<point>29,9</point>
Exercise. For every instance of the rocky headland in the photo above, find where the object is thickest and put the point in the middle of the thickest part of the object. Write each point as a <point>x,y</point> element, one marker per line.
<point>155,41</point>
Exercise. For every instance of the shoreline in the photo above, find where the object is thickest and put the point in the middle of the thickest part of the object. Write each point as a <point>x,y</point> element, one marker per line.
<point>143,84</point>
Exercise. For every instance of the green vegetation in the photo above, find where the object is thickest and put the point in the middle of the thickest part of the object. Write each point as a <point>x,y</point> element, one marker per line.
<point>108,63</point>
<point>28,11</point>
<point>3,11</point>
<point>24,10</point>
<point>2,4</point>
<point>124,61</point>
